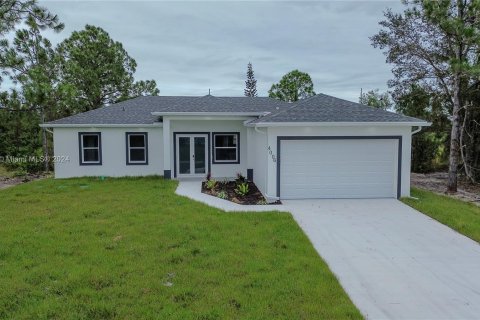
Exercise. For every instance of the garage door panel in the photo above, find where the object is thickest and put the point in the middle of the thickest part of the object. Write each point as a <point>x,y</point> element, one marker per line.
<point>349,168</point>
<point>336,155</point>
<point>335,180</point>
<point>339,168</point>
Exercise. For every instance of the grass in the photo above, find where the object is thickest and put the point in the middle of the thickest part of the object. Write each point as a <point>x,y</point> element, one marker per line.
<point>459,215</point>
<point>131,248</point>
<point>4,172</point>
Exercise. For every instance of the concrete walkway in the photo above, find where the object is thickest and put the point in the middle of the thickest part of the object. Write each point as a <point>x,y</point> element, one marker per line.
<point>394,262</point>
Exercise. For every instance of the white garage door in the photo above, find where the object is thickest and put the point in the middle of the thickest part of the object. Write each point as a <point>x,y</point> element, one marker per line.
<point>338,168</point>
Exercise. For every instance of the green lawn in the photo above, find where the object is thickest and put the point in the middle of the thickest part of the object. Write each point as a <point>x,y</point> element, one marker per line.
<point>458,215</point>
<point>131,248</point>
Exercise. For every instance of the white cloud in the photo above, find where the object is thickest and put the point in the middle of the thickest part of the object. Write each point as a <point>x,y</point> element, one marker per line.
<point>189,47</point>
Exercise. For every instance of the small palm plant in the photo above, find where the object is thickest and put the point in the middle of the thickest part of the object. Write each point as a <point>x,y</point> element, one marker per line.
<point>222,195</point>
<point>242,189</point>
<point>211,184</point>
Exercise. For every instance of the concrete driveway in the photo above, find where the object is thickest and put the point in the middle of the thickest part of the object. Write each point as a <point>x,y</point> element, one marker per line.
<point>394,262</point>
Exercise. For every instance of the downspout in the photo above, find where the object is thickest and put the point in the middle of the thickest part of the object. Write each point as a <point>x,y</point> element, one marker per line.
<point>416,130</point>
<point>258,130</point>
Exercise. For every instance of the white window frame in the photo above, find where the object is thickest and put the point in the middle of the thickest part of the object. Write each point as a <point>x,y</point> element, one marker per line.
<point>145,147</point>
<point>237,147</point>
<point>98,148</point>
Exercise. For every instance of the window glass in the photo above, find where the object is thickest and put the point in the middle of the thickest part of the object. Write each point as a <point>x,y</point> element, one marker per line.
<point>137,140</point>
<point>226,154</point>
<point>90,148</point>
<point>226,147</point>
<point>90,155</point>
<point>137,154</point>
<point>226,140</point>
<point>90,141</point>
<point>184,154</point>
<point>137,148</point>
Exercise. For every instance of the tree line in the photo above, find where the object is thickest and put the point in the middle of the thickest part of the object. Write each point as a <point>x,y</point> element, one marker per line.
<point>433,47</point>
<point>85,71</point>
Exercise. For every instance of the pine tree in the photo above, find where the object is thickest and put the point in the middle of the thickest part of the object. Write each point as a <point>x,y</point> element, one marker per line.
<point>293,86</point>
<point>250,83</point>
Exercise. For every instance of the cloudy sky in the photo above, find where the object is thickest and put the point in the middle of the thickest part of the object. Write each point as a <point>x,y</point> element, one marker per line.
<point>189,47</point>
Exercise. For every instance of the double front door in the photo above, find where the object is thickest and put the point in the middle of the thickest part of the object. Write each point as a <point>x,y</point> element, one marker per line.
<point>192,154</point>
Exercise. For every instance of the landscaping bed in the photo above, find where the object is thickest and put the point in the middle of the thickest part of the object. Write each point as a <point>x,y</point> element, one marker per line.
<point>230,190</point>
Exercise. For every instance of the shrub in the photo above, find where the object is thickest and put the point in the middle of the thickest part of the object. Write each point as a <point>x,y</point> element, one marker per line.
<point>222,195</point>
<point>242,189</point>
<point>211,184</point>
<point>240,178</point>
<point>427,152</point>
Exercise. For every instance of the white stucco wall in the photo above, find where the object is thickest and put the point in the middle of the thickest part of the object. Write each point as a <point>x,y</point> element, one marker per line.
<point>223,170</point>
<point>258,158</point>
<point>113,153</point>
<point>403,131</point>
<point>257,151</point>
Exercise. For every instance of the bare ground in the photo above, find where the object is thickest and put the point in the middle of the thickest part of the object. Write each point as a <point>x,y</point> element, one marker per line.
<point>437,182</point>
<point>6,182</point>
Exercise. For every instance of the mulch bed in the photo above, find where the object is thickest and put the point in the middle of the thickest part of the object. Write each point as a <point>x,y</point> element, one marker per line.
<point>254,195</point>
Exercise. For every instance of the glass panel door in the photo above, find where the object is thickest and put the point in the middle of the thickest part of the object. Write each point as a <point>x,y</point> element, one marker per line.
<point>184,155</point>
<point>199,155</point>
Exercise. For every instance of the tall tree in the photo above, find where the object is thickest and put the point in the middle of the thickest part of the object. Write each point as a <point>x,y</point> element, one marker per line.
<point>13,12</point>
<point>250,83</point>
<point>142,88</point>
<point>429,145</point>
<point>293,86</point>
<point>29,62</point>
<point>374,98</point>
<point>99,69</point>
<point>436,44</point>
<point>19,131</point>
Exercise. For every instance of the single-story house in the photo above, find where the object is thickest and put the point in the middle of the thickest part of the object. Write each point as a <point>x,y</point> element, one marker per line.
<point>320,147</point>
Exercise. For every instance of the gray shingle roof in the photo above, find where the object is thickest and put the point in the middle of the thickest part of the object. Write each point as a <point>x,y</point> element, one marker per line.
<point>319,108</point>
<point>138,110</point>
<point>324,108</point>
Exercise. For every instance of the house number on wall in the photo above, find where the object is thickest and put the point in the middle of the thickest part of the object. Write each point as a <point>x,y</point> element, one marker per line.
<point>270,152</point>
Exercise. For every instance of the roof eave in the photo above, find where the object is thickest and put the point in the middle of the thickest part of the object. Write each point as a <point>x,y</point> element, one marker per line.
<point>341,124</point>
<point>101,125</point>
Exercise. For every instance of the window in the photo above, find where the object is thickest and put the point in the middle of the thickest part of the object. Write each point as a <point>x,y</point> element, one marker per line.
<point>137,148</point>
<point>90,148</point>
<point>226,148</point>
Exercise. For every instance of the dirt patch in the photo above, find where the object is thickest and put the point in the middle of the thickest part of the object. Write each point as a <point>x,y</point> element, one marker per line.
<point>437,182</point>
<point>6,182</point>
<point>254,196</point>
